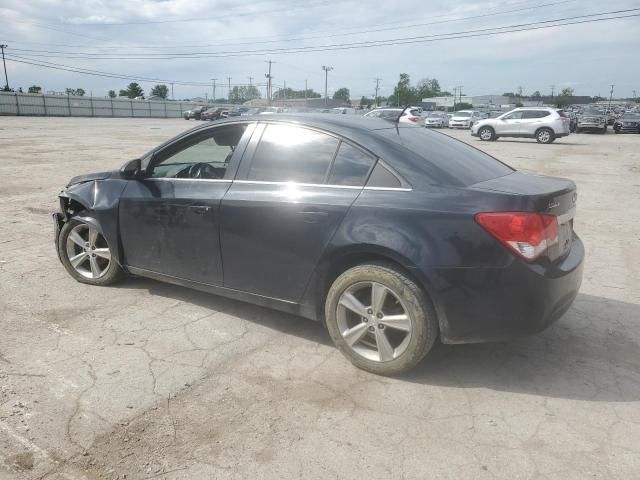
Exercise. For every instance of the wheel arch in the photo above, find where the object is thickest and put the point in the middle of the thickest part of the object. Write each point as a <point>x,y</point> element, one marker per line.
<point>338,261</point>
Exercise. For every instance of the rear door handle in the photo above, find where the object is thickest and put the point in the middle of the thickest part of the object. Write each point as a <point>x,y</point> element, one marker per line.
<point>199,209</point>
<point>313,215</point>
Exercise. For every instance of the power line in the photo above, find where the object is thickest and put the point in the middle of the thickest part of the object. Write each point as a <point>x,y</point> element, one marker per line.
<point>341,34</point>
<point>483,32</point>
<point>468,34</point>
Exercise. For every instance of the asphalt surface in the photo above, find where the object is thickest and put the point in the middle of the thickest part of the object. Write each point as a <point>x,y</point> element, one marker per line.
<point>147,380</point>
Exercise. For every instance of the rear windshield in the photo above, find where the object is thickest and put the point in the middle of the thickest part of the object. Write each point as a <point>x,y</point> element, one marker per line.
<point>462,114</point>
<point>450,161</point>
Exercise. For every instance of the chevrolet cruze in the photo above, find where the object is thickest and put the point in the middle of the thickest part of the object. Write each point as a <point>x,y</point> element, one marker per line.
<point>392,235</point>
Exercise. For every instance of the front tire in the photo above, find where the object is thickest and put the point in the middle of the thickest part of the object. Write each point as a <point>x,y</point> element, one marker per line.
<point>380,319</point>
<point>545,136</point>
<point>86,255</point>
<point>486,134</point>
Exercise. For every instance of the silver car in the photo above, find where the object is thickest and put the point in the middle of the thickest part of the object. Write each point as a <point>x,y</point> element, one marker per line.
<point>542,123</point>
<point>437,119</point>
<point>464,119</point>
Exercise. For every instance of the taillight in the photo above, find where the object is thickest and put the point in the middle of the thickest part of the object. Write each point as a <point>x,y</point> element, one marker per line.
<point>412,119</point>
<point>527,234</point>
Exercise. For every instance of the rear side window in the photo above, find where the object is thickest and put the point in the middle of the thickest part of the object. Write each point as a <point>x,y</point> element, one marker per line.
<point>382,177</point>
<point>443,159</point>
<point>292,154</point>
<point>350,167</point>
<point>535,114</point>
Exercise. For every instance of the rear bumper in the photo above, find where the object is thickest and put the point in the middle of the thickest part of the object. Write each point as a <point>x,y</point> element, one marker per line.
<point>491,304</point>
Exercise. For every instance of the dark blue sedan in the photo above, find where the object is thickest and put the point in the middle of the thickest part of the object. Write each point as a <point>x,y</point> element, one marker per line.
<point>390,234</point>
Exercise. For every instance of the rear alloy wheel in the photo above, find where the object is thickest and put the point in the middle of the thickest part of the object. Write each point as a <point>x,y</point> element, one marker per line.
<point>486,134</point>
<point>545,135</point>
<point>380,319</point>
<point>86,255</point>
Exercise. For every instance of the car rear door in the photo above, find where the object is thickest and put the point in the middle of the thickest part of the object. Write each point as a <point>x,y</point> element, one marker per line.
<point>532,120</point>
<point>169,221</point>
<point>292,191</point>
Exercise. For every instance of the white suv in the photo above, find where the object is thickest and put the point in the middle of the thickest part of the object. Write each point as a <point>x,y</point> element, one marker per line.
<point>542,123</point>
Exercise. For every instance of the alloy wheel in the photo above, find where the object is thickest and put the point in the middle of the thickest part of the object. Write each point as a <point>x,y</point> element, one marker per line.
<point>544,136</point>
<point>485,134</point>
<point>87,251</point>
<point>373,321</point>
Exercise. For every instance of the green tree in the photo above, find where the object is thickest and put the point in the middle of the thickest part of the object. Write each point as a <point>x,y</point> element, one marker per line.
<point>509,94</point>
<point>365,102</point>
<point>133,90</point>
<point>567,92</point>
<point>112,94</point>
<point>565,97</point>
<point>427,87</point>
<point>342,94</point>
<point>80,92</point>
<point>244,94</point>
<point>463,106</point>
<point>161,91</point>
<point>35,89</point>
<point>402,92</point>
<point>536,95</point>
<point>76,92</point>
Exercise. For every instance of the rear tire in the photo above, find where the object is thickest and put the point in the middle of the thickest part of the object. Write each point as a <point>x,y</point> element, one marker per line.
<point>380,319</point>
<point>86,255</point>
<point>545,135</point>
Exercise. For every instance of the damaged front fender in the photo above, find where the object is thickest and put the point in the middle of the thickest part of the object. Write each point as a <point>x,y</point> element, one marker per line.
<point>95,202</point>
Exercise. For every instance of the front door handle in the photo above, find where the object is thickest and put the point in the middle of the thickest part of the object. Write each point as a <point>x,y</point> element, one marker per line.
<point>199,209</point>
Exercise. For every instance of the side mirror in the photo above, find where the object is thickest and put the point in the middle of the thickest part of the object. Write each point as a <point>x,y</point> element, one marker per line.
<point>132,169</point>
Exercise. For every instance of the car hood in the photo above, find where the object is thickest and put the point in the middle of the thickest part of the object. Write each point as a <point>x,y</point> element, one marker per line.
<point>89,177</point>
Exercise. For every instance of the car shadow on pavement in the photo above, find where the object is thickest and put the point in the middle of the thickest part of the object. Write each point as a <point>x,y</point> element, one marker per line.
<point>592,353</point>
<point>279,321</point>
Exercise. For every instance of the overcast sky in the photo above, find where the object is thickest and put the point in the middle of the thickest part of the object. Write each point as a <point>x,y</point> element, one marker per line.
<point>588,57</point>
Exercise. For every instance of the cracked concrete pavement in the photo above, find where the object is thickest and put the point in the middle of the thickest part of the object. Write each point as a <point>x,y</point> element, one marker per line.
<point>147,380</point>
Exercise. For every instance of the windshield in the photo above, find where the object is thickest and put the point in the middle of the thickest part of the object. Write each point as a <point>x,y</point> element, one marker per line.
<point>462,114</point>
<point>435,115</point>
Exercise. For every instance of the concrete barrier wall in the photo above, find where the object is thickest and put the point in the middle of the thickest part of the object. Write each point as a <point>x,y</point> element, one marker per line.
<point>69,106</point>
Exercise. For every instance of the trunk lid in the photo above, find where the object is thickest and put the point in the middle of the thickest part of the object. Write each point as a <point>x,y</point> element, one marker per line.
<point>534,193</point>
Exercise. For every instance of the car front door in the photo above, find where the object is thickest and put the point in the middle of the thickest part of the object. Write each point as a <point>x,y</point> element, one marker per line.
<point>509,124</point>
<point>292,191</point>
<point>170,219</point>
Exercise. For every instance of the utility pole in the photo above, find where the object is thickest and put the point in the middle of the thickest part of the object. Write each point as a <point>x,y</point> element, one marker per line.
<point>454,98</point>
<point>213,89</point>
<point>285,89</point>
<point>634,95</point>
<point>6,79</point>
<point>377,88</point>
<point>611,96</point>
<point>306,89</point>
<point>326,78</point>
<point>269,78</point>
<point>553,91</point>
<point>250,79</point>
<point>229,94</point>
<point>172,97</point>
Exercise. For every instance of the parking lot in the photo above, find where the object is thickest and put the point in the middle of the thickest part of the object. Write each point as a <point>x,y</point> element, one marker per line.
<point>148,380</point>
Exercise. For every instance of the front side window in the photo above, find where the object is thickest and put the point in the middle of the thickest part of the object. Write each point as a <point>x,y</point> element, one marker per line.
<point>513,116</point>
<point>350,167</point>
<point>289,153</point>
<point>202,156</point>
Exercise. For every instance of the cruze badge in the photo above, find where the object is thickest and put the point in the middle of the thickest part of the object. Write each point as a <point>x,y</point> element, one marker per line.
<point>553,204</point>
